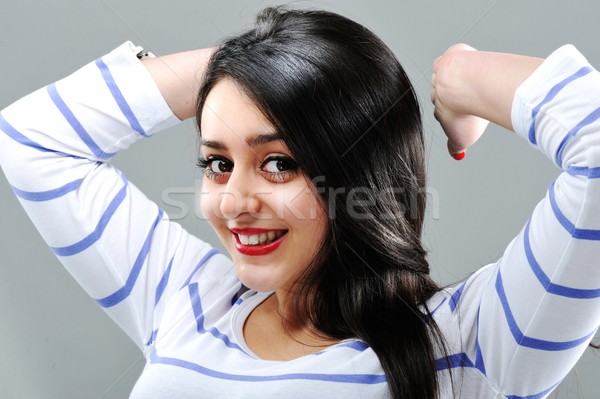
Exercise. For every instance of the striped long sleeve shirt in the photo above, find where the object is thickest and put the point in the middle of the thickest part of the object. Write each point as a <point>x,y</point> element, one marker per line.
<point>514,328</point>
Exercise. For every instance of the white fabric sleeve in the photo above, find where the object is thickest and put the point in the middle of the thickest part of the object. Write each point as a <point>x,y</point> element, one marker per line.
<point>55,145</point>
<point>540,304</point>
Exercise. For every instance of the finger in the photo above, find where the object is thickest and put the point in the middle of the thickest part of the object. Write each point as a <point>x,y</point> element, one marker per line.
<point>455,150</point>
<point>459,156</point>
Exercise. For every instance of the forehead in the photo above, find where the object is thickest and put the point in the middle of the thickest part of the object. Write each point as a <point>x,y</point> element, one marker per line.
<point>228,111</point>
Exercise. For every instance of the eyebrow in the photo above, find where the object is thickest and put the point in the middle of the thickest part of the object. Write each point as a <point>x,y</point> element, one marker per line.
<point>253,141</point>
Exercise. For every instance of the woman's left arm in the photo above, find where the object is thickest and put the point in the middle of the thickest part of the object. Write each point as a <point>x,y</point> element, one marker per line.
<point>540,306</point>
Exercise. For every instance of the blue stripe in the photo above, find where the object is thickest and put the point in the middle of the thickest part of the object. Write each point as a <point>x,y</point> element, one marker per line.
<point>584,234</point>
<point>119,98</point>
<point>123,292</point>
<point>152,337</point>
<point>75,124</point>
<point>162,284</point>
<point>199,315</point>
<point>453,302</point>
<point>356,345</point>
<point>236,300</point>
<point>528,342</point>
<point>40,196</point>
<point>438,306</point>
<point>478,355</point>
<point>14,134</point>
<point>590,173</point>
<point>454,361</point>
<point>97,233</point>
<point>591,118</point>
<point>342,378</point>
<point>551,94</point>
<point>548,285</point>
<point>207,256</point>
<point>539,395</point>
<point>429,315</point>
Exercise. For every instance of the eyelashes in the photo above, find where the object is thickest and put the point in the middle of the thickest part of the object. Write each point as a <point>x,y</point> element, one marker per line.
<point>215,163</point>
<point>216,168</point>
<point>276,168</point>
<point>202,163</point>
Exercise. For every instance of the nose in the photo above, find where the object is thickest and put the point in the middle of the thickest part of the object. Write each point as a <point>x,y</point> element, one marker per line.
<point>240,196</point>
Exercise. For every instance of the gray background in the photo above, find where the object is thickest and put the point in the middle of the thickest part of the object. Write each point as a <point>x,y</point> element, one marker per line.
<point>55,342</point>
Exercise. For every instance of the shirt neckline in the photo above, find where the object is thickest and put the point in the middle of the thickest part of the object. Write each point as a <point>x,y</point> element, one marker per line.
<point>251,299</point>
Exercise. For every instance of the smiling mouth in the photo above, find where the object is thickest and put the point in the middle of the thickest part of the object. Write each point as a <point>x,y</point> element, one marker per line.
<point>262,242</point>
<point>260,239</point>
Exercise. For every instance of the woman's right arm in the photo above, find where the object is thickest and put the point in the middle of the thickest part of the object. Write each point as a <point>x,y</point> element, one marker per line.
<point>178,77</point>
<point>55,148</point>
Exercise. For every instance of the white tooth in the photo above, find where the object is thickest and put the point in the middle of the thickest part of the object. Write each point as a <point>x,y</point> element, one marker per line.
<point>263,238</point>
<point>271,235</point>
<point>243,239</point>
<point>253,239</point>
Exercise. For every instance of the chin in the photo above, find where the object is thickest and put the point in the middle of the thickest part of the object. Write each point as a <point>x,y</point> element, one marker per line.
<point>256,277</point>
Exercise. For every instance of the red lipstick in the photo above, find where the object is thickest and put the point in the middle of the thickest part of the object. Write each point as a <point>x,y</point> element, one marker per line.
<point>260,249</point>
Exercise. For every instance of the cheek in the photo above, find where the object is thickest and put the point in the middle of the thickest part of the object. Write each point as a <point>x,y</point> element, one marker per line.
<point>309,221</point>
<point>209,204</point>
<point>302,208</point>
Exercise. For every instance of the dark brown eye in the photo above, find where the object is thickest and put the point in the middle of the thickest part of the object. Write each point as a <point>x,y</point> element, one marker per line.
<point>220,166</point>
<point>279,164</point>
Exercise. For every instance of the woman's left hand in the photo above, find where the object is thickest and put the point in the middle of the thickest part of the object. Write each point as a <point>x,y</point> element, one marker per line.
<point>473,87</point>
<point>449,98</point>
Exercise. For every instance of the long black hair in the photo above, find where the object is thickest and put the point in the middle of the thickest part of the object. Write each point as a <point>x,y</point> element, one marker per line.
<point>350,117</point>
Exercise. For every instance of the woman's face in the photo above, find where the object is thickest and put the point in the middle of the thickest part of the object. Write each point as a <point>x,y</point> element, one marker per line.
<point>253,194</point>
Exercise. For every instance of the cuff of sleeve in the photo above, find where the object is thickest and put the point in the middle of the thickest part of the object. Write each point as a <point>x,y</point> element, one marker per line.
<point>138,89</point>
<point>541,87</point>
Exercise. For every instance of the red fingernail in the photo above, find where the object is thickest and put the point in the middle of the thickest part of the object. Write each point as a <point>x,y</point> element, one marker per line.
<point>458,156</point>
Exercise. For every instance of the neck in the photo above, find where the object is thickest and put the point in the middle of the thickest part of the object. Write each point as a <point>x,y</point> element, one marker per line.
<point>281,305</point>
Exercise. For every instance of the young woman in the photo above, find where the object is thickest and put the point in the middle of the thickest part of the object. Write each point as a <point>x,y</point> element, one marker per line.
<point>312,150</point>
